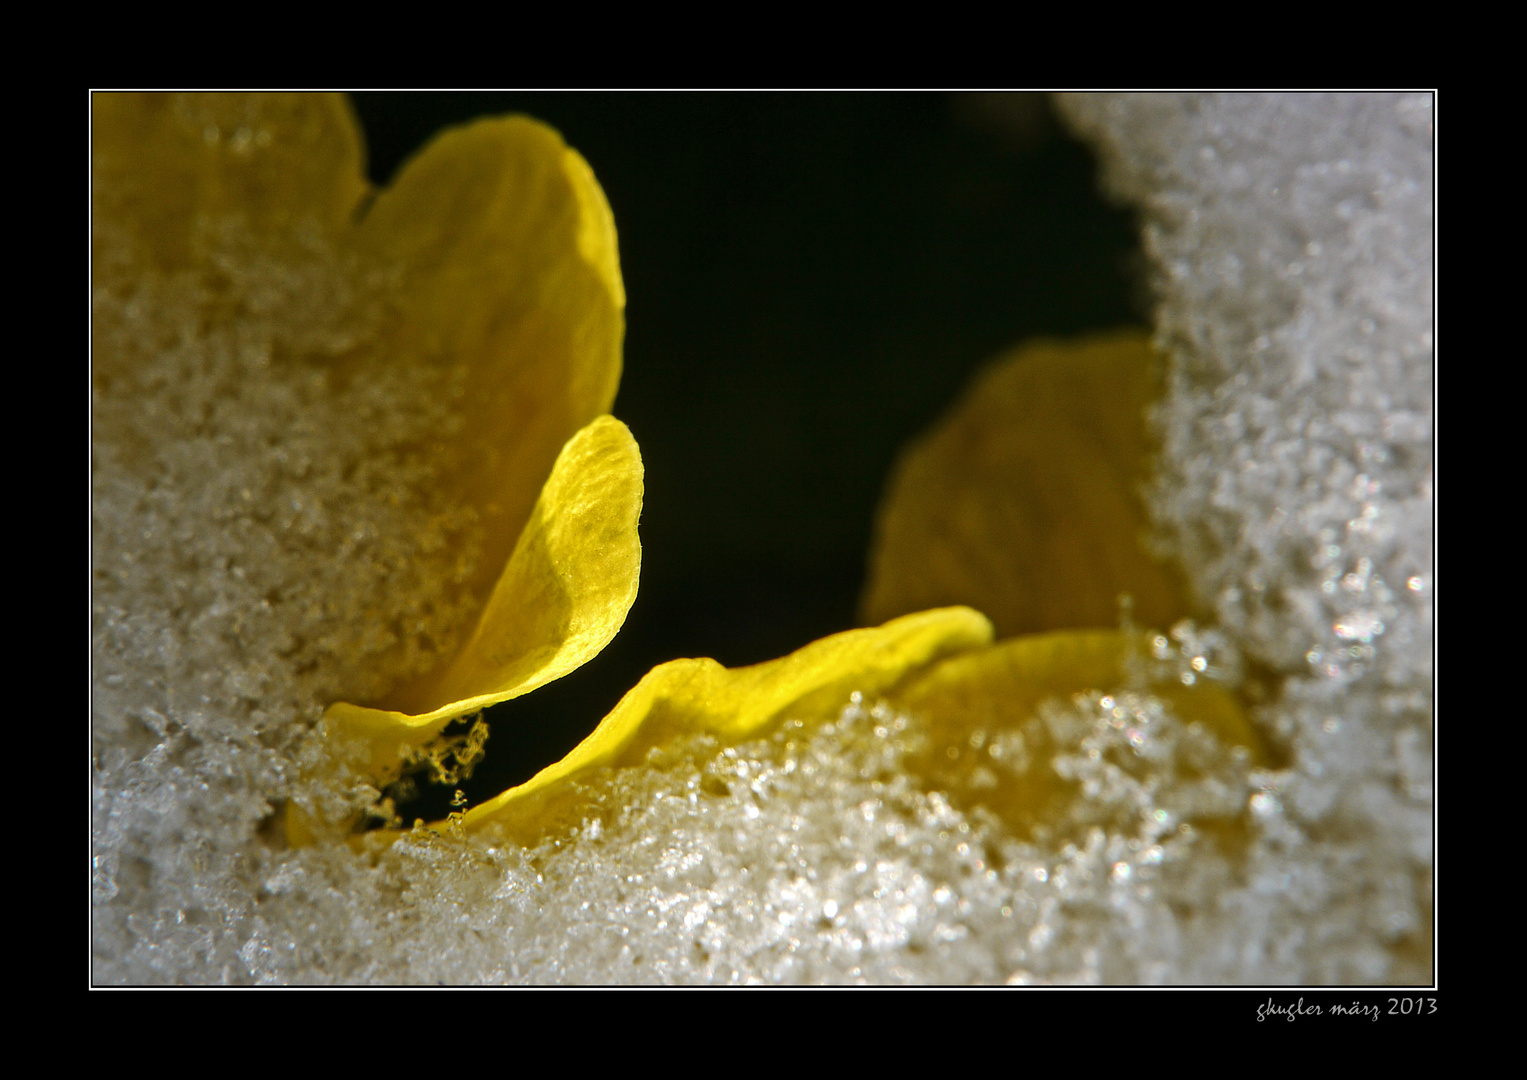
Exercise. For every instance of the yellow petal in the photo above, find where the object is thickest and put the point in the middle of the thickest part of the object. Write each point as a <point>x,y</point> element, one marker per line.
<point>498,257</point>
<point>492,257</point>
<point>994,690</point>
<point>503,253</point>
<point>168,167</point>
<point>687,697</point>
<point>560,600</point>
<point>1025,501</point>
<point>174,176</point>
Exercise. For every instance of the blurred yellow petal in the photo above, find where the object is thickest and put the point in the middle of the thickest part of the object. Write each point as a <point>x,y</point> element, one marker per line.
<point>970,701</point>
<point>1024,502</point>
<point>561,599</point>
<point>168,168</point>
<point>688,697</point>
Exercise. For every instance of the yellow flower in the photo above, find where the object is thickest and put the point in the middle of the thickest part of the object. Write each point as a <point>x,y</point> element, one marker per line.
<point>1025,503</point>
<point>485,281</point>
<point>357,442</point>
<point>489,272</point>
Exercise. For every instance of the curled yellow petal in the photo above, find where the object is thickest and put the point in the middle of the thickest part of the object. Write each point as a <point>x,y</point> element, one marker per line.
<point>560,600</point>
<point>685,697</point>
<point>969,702</point>
<point>1024,502</point>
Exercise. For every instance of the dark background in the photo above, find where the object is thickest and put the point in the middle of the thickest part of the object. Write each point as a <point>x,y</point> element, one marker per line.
<point>811,279</point>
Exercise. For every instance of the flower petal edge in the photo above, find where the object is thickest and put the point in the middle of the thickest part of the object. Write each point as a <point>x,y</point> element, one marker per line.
<point>562,597</point>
